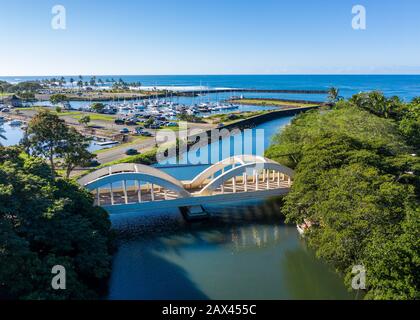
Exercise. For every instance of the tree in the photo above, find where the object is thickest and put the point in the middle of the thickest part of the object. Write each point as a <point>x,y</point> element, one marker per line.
<point>46,222</point>
<point>75,151</point>
<point>92,81</point>
<point>97,107</point>
<point>58,109</point>
<point>334,95</point>
<point>356,182</point>
<point>27,95</point>
<point>49,137</point>
<point>80,84</point>
<point>409,124</point>
<point>57,98</point>
<point>71,81</point>
<point>84,120</point>
<point>45,137</point>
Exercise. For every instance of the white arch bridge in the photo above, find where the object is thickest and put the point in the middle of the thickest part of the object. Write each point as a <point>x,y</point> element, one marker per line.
<point>132,187</point>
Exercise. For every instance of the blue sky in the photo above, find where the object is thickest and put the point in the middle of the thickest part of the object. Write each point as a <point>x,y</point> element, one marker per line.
<point>208,37</point>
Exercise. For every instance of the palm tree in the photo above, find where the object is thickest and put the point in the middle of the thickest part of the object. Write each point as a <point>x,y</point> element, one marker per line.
<point>334,95</point>
<point>93,81</point>
<point>71,81</point>
<point>80,84</point>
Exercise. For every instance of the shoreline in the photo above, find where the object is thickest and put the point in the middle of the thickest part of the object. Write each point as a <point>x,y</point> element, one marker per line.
<point>101,95</point>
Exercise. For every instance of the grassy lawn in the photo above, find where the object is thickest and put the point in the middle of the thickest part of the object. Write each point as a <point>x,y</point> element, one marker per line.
<point>176,129</point>
<point>63,113</point>
<point>273,102</point>
<point>229,118</point>
<point>94,116</point>
<point>31,109</point>
<point>69,113</point>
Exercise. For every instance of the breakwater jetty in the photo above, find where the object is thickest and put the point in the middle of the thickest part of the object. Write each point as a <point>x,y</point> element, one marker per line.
<point>242,90</point>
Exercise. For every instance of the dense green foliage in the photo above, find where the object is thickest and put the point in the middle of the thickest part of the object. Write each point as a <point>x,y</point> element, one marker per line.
<point>97,107</point>
<point>57,98</point>
<point>25,86</point>
<point>407,115</point>
<point>46,222</point>
<point>183,116</point>
<point>84,120</point>
<point>358,181</point>
<point>49,136</point>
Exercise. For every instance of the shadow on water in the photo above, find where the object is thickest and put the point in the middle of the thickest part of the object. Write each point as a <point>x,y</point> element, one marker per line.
<point>311,279</point>
<point>143,275</point>
<point>244,251</point>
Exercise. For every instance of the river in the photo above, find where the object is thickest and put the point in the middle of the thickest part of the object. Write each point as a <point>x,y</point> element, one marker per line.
<point>245,251</point>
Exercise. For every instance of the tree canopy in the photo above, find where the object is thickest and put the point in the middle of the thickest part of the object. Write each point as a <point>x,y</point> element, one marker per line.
<point>49,137</point>
<point>46,222</point>
<point>358,182</point>
<point>57,98</point>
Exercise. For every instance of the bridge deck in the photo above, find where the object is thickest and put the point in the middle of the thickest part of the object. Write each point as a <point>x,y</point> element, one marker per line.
<point>161,194</point>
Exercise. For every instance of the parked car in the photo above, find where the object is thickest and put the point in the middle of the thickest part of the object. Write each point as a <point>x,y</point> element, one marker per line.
<point>130,122</point>
<point>119,121</point>
<point>131,152</point>
<point>146,134</point>
<point>125,130</point>
<point>94,163</point>
<point>138,130</point>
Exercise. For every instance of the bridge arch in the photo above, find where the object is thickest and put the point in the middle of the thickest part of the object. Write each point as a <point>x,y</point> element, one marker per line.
<point>144,186</point>
<point>140,174</point>
<point>222,165</point>
<point>250,169</point>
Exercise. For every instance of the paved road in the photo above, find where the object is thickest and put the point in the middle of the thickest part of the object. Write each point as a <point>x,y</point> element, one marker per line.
<point>118,152</point>
<point>142,146</point>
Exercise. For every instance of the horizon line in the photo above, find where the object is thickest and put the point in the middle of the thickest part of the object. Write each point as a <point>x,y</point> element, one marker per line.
<point>215,74</point>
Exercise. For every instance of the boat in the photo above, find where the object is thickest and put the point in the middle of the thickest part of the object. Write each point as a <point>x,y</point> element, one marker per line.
<point>64,105</point>
<point>303,227</point>
<point>300,229</point>
<point>106,143</point>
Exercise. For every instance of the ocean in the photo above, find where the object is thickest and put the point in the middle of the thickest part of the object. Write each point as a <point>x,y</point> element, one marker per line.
<point>404,86</point>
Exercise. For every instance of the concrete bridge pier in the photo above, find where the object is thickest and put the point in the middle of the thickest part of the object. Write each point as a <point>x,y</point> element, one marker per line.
<point>194,213</point>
